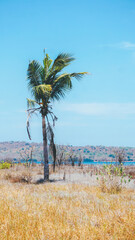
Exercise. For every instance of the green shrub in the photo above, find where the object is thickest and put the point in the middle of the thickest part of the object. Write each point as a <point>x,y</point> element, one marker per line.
<point>5,165</point>
<point>112,178</point>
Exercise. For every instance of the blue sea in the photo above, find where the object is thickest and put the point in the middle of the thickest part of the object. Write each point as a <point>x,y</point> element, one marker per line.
<point>90,162</point>
<point>86,162</point>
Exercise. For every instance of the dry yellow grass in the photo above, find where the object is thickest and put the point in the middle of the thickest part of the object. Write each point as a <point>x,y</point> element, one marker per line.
<point>55,211</point>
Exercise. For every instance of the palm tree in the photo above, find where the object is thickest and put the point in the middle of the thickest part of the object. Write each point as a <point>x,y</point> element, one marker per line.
<point>47,84</point>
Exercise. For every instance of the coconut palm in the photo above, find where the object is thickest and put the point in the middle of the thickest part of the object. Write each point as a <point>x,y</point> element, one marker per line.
<point>47,83</point>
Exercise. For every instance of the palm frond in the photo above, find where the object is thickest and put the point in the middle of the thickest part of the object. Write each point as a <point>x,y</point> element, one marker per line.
<point>31,103</point>
<point>47,63</point>
<point>30,113</point>
<point>52,76</point>
<point>61,85</point>
<point>62,60</point>
<point>34,74</point>
<point>65,77</point>
<point>79,75</point>
<point>42,74</point>
<point>59,93</point>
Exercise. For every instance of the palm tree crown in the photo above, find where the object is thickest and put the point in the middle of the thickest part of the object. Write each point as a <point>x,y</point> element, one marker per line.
<point>47,82</point>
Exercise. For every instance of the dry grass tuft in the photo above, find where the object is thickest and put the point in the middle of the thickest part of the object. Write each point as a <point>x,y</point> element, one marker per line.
<point>132,174</point>
<point>130,170</point>
<point>24,176</point>
<point>112,186</point>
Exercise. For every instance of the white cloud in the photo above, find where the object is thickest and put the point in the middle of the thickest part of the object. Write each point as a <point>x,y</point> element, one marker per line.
<point>100,109</point>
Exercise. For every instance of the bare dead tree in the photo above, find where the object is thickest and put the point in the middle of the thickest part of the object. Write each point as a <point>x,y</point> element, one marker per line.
<point>120,156</point>
<point>80,160</point>
<point>72,157</point>
<point>27,155</point>
<point>60,155</point>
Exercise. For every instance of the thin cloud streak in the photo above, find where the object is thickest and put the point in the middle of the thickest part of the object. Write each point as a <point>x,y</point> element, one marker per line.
<point>71,124</point>
<point>127,45</point>
<point>122,45</point>
<point>100,109</point>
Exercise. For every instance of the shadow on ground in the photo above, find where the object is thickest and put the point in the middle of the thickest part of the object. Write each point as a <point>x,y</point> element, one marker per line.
<point>41,181</point>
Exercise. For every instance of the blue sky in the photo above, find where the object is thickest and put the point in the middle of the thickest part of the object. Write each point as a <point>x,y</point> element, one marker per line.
<point>100,110</point>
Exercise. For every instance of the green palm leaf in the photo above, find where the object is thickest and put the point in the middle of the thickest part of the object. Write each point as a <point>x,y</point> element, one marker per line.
<point>78,76</point>
<point>31,103</point>
<point>62,60</point>
<point>34,74</point>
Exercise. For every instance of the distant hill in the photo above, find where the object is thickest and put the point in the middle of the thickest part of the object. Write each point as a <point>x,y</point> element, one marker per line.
<point>19,150</point>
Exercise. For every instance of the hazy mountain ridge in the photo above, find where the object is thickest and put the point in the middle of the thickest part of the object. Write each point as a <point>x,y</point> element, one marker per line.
<point>15,150</point>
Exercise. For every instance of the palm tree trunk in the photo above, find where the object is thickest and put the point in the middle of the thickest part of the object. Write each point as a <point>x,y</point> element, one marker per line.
<point>45,151</point>
<point>54,157</point>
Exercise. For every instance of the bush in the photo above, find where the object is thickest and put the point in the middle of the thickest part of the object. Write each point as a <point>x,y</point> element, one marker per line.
<point>5,165</point>
<point>112,178</point>
<point>24,177</point>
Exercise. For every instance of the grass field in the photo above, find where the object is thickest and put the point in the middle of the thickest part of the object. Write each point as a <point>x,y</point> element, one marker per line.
<point>61,210</point>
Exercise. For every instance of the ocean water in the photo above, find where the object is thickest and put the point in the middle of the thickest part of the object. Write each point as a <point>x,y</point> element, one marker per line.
<point>86,162</point>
